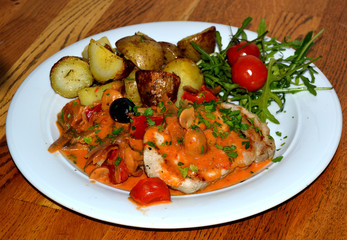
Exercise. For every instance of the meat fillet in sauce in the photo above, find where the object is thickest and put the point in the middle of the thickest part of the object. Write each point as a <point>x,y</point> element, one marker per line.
<point>210,141</point>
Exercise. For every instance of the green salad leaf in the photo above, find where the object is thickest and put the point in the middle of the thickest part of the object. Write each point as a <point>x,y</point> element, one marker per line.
<point>285,74</point>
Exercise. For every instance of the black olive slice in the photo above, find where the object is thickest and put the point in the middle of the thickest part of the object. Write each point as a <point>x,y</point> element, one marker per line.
<point>120,110</point>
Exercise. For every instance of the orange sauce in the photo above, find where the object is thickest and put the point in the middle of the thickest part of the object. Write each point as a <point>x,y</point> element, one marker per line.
<point>239,174</point>
<point>77,157</point>
<point>214,157</point>
<point>130,182</point>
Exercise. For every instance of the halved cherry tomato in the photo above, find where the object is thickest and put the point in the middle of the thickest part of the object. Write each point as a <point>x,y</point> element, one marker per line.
<point>204,95</point>
<point>140,123</point>
<point>249,72</point>
<point>91,111</point>
<point>234,52</point>
<point>118,170</point>
<point>150,190</point>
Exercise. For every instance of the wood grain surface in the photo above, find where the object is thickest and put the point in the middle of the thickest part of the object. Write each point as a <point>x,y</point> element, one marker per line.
<point>33,30</point>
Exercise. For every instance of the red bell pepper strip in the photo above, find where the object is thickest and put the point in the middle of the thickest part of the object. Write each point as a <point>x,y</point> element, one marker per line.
<point>118,170</point>
<point>204,95</point>
<point>140,124</point>
<point>91,111</point>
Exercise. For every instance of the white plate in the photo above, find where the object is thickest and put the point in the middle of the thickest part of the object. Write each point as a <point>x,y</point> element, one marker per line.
<point>311,130</point>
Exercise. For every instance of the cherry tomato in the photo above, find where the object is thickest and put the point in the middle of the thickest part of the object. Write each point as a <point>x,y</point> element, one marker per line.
<point>150,190</point>
<point>249,72</point>
<point>204,95</point>
<point>234,52</point>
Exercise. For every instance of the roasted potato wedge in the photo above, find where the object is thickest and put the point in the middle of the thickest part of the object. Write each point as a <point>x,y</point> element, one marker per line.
<point>69,75</point>
<point>144,36</point>
<point>143,51</point>
<point>188,72</point>
<point>104,64</point>
<point>205,39</point>
<point>89,95</point>
<point>131,89</point>
<point>171,51</point>
<point>103,41</point>
<point>153,85</point>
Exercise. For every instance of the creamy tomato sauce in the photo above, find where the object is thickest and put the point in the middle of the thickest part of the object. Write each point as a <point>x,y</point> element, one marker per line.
<point>207,151</point>
<point>218,161</point>
<point>239,175</point>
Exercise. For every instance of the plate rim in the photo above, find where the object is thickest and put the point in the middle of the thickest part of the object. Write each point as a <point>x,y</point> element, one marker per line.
<point>11,142</point>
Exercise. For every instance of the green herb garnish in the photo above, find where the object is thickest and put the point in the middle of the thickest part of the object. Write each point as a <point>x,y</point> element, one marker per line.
<point>277,159</point>
<point>118,160</point>
<point>193,168</point>
<point>184,171</point>
<point>151,144</point>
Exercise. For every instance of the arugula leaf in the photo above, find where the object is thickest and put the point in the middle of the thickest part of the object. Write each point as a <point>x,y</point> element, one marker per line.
<point>266,96</point>
<point>283,73</point>
<point>262,27</point>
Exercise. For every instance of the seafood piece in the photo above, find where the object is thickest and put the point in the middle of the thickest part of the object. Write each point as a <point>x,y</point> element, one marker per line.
<point>221,138</point>
<point>262,144</point>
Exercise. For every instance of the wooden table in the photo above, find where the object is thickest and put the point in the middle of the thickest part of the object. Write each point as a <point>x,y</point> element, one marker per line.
<point>33,30</point>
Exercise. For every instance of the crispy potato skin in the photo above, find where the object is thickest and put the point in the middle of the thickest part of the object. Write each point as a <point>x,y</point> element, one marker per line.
<point>153,85</point>
<point>144,52</point>
<point>129,67</point>
<point>171,51</point>
<point>205,39</point>
<point>131,89</point>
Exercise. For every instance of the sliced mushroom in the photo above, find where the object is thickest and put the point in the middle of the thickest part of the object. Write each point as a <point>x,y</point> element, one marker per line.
<point>59,143</point>
<point>190,89</point>
<point>99,154</point>
<point>100,174</point>
<point>187,117</point>
<point>132,160</point>
<point>195,142</point>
